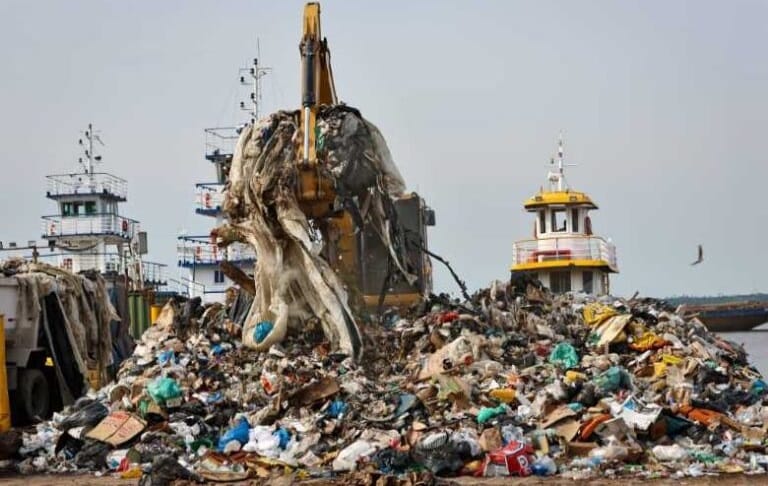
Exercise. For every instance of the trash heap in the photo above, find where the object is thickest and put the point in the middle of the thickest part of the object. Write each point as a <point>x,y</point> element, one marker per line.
<point>515,381</point>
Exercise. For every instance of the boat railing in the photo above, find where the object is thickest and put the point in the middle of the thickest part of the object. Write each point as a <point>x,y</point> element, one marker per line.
<point>107,263</point>
<point>220,141</point>
<point>97,224</point>
<point>98,183</point>
<point>192,252</point>
<point>564,248</point>
<point>209,197</point>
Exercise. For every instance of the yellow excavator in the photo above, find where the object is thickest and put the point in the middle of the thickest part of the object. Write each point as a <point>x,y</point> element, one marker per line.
<point>354,251</point>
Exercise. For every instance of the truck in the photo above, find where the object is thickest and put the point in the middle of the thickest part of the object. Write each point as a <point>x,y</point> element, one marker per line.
<point>58,338</point>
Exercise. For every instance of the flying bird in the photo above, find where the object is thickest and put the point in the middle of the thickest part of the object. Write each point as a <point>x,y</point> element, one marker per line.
<point>701,256</point>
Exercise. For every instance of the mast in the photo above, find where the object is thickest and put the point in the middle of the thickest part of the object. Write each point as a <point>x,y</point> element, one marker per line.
<point>556,175</point>
<point>255,72</point>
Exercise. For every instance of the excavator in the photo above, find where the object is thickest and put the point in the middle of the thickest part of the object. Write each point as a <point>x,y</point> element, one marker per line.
<point>352,248</point>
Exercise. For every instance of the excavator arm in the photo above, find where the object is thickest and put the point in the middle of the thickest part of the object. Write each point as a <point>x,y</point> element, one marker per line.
<point>317,86</point>
<point>355,253</point>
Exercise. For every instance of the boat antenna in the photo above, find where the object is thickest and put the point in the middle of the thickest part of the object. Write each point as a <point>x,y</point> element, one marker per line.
<point>91,158</point>
<point>556,174</point>
<point>255,73</point>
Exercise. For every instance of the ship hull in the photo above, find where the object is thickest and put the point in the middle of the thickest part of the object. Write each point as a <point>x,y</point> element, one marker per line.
<point>731,317</point>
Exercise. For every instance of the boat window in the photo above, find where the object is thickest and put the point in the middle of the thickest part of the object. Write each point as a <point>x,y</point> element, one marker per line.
<point>560,282</point>
<point>90,207</point>
<point>542,222</point>
<point>66,209</point>
<point>218,276</point>
<point>76,208</point>
<point>558,220</point>
<point>575,220</point>
<point>587,281</point>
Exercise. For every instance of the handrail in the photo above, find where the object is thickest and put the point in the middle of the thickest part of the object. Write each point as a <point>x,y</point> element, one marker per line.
<point>564,248</point>
<point>84,184</point>
<point>191,252</point>
<point>209,197</point>
<point>89,224</point>
<point>106,262</point>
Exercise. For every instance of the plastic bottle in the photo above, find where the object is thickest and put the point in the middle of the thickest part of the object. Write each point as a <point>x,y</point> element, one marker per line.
<point>511,433</point>
<point>609,453</point>
<point>544,466</point>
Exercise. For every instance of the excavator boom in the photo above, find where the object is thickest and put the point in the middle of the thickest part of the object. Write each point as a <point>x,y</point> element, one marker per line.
<point>355,252</point>
<point>317,86</point>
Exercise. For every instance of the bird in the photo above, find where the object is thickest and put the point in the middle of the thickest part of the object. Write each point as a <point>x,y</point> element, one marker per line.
<point>701,256</point>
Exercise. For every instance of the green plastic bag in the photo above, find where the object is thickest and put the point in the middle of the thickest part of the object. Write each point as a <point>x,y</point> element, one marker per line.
<point>487,413</point>
<point>614,378</point>
<point>564,355</point>
<point>164,390</point>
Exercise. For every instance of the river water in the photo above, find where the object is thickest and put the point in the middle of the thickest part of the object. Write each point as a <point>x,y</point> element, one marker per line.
<point>756,344</point>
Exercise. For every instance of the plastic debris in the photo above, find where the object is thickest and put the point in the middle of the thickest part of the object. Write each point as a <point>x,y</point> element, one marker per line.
<point>564,355</point>
<point>164,391</point>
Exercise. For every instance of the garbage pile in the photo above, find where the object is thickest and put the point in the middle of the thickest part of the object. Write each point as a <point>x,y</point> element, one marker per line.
<point>515,381</point>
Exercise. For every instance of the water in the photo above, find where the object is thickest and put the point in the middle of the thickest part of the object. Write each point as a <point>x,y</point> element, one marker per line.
<point>756,344</point>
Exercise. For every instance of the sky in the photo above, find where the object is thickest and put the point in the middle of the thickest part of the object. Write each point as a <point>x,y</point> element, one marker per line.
<point>662,104</point>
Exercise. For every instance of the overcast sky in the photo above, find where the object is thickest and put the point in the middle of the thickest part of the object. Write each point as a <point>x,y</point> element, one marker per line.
<point>663,105</point>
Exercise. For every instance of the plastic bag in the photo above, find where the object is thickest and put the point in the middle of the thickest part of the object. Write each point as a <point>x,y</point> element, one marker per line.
<point>164,390</point>
<point>544,467</point>
<point>237,433</point>
<point>337,408</point>
<point>262,330</point>
<point>348,457</point>
<point>614,378</point>
<point>283,437</point>
<point>564,355</point>
<point>669,453</point>
<point>487,413</point>
<point>90,414</point>
<point>437,453</point>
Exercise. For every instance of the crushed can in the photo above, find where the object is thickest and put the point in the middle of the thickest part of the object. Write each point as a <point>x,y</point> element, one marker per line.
<point>514,459</point>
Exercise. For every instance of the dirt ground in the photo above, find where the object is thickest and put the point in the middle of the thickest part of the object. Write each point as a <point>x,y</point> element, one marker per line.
<point>90,480</point>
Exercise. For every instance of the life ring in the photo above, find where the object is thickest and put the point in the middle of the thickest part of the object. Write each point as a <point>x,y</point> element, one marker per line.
<point>125,226</point>
<point>207,200</point>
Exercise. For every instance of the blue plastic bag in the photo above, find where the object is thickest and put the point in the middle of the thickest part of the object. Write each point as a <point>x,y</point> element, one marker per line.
<point>239,433</point>
<point>262,330</point>
<point>337,408</point>
<point>283,436</point>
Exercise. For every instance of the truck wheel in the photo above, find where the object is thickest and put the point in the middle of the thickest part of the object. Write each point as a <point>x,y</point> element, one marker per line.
<point>34,394</point>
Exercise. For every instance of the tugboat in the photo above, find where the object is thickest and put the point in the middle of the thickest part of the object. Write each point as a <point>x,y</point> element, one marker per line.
<point>564,254</point>
<point>198,257</point>
<point>90,233</point>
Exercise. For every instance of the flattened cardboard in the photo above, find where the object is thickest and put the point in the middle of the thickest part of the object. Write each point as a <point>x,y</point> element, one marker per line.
<point>117,428</point>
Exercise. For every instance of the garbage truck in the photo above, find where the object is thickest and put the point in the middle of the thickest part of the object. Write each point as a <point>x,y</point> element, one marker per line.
<point>57,336</point>
<point>29,380</point>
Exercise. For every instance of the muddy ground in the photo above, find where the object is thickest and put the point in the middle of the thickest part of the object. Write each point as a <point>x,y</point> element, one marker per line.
<point>90,480</point>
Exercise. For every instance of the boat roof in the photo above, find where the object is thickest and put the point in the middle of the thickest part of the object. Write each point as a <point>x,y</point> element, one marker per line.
<point>566,197</point>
